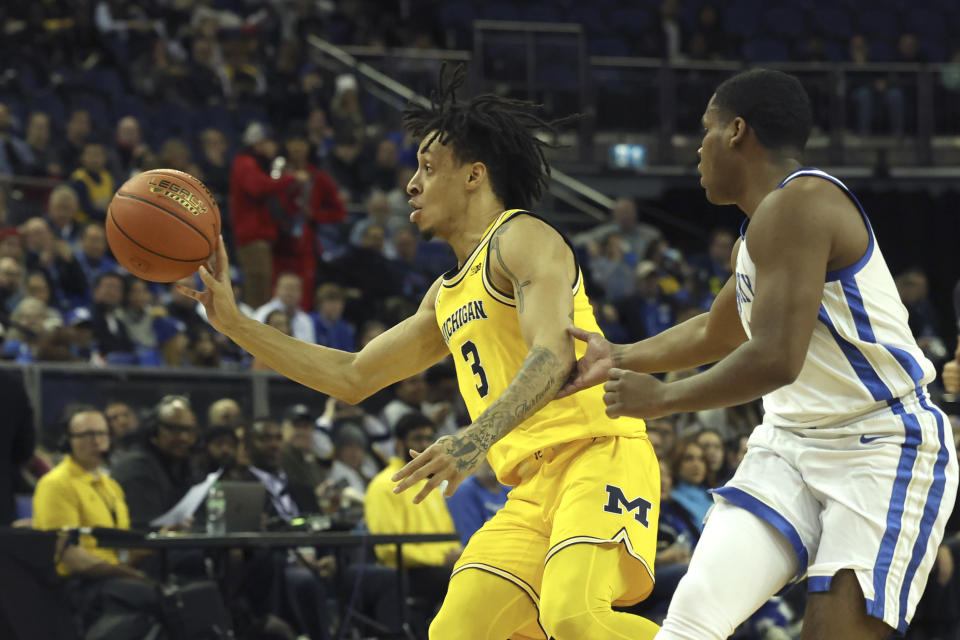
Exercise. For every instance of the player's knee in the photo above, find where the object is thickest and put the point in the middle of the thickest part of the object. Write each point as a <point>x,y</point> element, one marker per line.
<point>566,614</point>
<point>696,611</point>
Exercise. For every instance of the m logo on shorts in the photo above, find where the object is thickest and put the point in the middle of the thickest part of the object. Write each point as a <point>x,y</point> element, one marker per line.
<point>616,498</point>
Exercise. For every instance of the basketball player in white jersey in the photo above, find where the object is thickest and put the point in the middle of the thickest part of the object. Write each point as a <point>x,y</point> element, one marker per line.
<point>851,476</point>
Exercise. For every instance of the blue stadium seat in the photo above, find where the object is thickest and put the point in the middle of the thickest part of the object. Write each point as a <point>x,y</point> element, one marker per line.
<point>836,50</point>
<point>540,13</point>
<point>740,18</point>
<point>782,21</point>
<point>926,23</point>
<point>765,50</point>
<point>500,11</point>
<point>107,81</point>
<point>27,79</point>
<point>49,103</point>
<point>832,22</point>
<point>557,76</point>
<point>130,105</point>
<point>591,19</point>
<point>100,113</point>
<point>457,15</point>
<point>608,47</point>
<point>878,23</point>
<point>631,21</point>
<point>881,51</point>
<point>215,117</point>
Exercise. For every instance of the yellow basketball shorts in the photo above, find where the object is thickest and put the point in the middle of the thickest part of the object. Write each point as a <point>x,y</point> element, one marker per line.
<point>603,490</point>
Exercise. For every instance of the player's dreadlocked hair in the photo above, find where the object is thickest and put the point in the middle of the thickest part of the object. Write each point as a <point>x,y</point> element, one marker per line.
<point>497,131</point>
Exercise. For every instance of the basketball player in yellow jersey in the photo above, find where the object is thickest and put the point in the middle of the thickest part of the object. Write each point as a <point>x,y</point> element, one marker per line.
<point>578,532</point>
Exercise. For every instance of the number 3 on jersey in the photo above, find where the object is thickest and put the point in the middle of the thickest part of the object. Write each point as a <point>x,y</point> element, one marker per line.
<point>472,356</point>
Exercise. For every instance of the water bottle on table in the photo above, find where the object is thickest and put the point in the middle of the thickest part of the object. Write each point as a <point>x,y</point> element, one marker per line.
<point>216,511</point>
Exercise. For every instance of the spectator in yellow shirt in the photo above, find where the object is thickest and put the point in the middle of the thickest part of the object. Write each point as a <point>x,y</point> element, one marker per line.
<point>428,564</point>
<point>77,493</point>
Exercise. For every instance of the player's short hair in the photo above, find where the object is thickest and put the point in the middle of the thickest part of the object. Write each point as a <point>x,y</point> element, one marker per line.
<point>499,132</point>
<point>772,103</point>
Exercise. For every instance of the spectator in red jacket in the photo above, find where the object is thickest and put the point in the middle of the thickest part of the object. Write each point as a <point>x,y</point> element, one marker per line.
<point>313,202</point>
<point>255,228</point>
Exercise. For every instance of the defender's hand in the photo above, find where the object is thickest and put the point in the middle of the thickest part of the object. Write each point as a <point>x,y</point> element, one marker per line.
<point>636,395</point>
<point>593,367</point>
<point>218,298</point>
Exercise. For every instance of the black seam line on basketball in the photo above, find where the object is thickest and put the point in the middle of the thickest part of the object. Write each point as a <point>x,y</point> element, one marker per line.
<point>179,175</point>
<point>147,249</point>
<point>168,212</point>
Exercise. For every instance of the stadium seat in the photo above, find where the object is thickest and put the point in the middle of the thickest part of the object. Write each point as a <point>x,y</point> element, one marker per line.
<point>101,115</point>
<point>457,15</point>
<point>765,50</point>
<point>926,23</point>
<point>878,23</point>
<point>106,80</point>
<point>49,103</point>
<point>593,21</point>
<point>782,21</point>
<point>632,22</point>
<point>740,18</point>
<point>540,13</point>
<point>130,105</point>
<point>499,11</point>
<point>608,47</point>
<point>831,22</point>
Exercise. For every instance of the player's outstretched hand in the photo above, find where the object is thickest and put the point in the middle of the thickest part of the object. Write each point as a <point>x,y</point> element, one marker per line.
<point>592,368</point>
<point>217,298</point>
<point>446,463</point>
<point>951,375</point>
<point>636,395</point>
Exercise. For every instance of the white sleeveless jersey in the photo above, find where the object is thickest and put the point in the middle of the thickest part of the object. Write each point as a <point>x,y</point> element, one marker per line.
<point>862,356</point>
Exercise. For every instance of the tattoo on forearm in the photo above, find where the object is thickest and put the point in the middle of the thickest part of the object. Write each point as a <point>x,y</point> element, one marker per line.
<point>517,285</point>
<point>539,378</point>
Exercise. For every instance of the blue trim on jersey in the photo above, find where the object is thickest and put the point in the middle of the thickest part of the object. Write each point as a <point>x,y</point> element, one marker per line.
<point>743,228</point>
<point>857,360</point>
<point>818,584</point>
<point>908,455</point>
<point>860,318</point>
<point>846,272</point>
<point>930,511</point>
<point>768,514</point>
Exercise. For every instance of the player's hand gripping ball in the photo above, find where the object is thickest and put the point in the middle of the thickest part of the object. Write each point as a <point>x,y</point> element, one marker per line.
<point>162,225</point>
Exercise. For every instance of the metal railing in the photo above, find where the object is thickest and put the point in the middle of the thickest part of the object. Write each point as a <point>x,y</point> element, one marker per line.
<point>658,103</point>
<point>52,386</point>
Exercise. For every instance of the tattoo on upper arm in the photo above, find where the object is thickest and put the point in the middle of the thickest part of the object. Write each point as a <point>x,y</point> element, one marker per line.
<point>517,285</point>
<point>536,382</point>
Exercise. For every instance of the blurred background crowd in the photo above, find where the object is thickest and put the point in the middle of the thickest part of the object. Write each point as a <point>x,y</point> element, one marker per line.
<point>310,176</point>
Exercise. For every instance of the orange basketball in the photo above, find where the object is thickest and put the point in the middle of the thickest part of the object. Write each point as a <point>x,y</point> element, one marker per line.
<point>162,225</point>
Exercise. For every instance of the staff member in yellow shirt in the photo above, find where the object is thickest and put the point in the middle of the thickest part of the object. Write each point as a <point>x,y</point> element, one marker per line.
<point>77,493</point>
<point>428,564</point>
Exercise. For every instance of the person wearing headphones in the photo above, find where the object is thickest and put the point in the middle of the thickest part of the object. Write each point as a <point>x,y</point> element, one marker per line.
<point>78,493</point>
<point>156,473</point>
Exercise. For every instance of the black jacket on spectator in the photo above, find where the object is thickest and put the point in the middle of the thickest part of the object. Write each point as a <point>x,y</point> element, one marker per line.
<point>109,333</point>
<point>17,439</point>
<point>67,280</point>
<point>152,481</point>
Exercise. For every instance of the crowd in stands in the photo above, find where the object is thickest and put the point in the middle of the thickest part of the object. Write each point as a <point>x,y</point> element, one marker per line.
<point>226,93</point>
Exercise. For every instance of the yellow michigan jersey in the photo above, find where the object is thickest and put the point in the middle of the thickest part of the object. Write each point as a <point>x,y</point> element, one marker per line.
<point>482,330</point>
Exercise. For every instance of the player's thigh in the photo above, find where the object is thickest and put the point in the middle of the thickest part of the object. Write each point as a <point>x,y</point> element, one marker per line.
<point>884,516</point>
<point>483,605</point>
<point>610,496</point>
<point>841,613</point>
